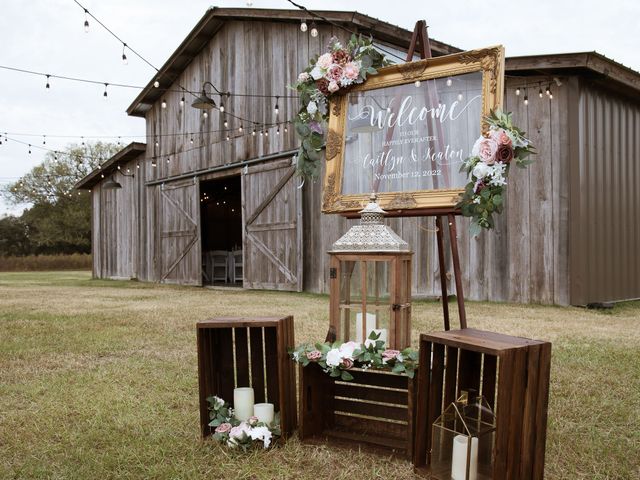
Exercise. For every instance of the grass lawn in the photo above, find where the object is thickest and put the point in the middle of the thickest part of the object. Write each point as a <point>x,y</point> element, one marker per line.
<point>98,380</point>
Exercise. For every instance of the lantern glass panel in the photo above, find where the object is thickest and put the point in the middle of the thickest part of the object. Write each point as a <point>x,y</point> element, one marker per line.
<point>378,283</point>
<point>462,441</point>
<point>350,282</point>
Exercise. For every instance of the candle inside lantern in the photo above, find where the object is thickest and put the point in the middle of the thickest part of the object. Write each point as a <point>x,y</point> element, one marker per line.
<point>243,403</point>
<point>370,327</point>
<point>459,458</point>
<point>265,412</point>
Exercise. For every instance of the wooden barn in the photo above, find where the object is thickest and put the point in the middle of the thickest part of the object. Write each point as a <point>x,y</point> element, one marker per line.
<point>211,204</point>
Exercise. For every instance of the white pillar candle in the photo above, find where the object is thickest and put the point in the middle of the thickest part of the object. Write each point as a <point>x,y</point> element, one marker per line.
<point>243,403</point>
<point>459,458</point>
<point>265,412</point>
<point>371,325</point>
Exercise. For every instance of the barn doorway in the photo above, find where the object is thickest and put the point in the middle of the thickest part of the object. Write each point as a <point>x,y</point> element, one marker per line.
<point>221,230</point>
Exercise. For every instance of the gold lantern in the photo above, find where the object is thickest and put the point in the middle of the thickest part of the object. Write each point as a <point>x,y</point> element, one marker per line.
<point>462,440</point>
<point>370,282</point>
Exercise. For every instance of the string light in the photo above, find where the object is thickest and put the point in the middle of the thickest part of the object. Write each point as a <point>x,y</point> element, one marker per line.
<point>548,91</point>
<point>168,159</point>
<point>182,101</point>
<point>222,104</point>
<point>253,133</point>
<point>540,92</point>
<point>277,109</point>
<point>240,128</point>
<point>157,143</point>
<point>164,103</point>
<point>314,30</point>
<point>29,149</point>
<point>266,132</point>
<point>47,85</point>
<point>249,3</point>
<point>86,21</point>
<point>550,95</point>
<point>124,55</point>
<point>278,131</point>
<point>118,141</point>
<point>303,26</point>
<point>44,139</point>
<point>285,128</point>
<point>156,84</point>
<point>228,137</point>
<point>460,97</point>
<point>526,99</point>
<point>518,91</point>
<point>105,90</point>
<point>417,83</point>
<point>205,114</point>
<point>226,124</point>
<point>153,163</point>
<point>449,82</point>
<point>191,141</point>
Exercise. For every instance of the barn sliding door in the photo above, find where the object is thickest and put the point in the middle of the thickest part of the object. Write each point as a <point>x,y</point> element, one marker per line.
<point>180,257</point>
<point>273,227</point>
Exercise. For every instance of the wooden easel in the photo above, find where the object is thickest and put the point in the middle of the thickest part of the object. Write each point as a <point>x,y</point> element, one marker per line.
<point>449,215</point>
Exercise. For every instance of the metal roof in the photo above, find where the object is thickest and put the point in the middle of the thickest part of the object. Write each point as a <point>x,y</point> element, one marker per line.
<point>215,17</point>
<point>128,153</point>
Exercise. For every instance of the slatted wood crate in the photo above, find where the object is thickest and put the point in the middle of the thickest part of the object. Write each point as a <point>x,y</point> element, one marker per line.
<point>242,352</point>
<point>374,410</point>
<point>512,373</point>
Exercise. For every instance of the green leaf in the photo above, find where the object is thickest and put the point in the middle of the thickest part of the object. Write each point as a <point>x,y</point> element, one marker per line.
<point>346,376</point>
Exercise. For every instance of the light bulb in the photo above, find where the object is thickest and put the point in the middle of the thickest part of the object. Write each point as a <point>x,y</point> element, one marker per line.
<point>157,143</point>
<point>278,131</point>
<point>303,26</point>
<point>221,106</point>
<point>153,163</point>
<point>240,128</point>
<point>449,82</point>
<point>540,93</point>
<point>168,159</point>
<point>86,21</point>
<point>44,139</point>
<point>156,84</point>
<point>191,140</point>
<point>164,103</point>
<point>105,90</point>
<point>526,100</point>
<point>460,97</point>
<point>550,96</point>
<point>182,102</point>
<point>228,138</point>
<point>226,124</point>
<point>518,91</point>
<point>249,3</point>
<point>266,133</point>
<point>205,114</point>
<point>254,132</point>
<point>124,55</point>
<point>314,30</point>
<point>417,83</point>
<point>47,85</point>
<point>276,109</point>
<point>285,129</point>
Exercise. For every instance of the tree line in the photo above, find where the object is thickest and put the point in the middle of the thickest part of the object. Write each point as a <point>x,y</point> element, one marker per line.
<point>57,219</point>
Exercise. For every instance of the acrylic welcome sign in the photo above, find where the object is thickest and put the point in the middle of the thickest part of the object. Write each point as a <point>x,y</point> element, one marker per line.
<point>405,132</point>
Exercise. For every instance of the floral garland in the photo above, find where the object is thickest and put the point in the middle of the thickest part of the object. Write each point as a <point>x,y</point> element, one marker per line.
<point>330,73</point>
<point>337,359</point>
<point>488,168</point>
<point>236,434</point>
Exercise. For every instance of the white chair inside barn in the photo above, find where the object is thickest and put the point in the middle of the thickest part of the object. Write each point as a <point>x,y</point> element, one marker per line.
<point>219,266</point>
<point>237,267</point>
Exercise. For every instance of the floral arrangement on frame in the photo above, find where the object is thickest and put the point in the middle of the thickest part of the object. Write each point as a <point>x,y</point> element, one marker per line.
<point>488,168</point>
<point>233,433</point>
<point>336,359</point>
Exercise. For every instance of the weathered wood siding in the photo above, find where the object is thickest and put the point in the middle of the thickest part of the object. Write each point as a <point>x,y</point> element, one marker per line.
<point>605,195</point>
<point>525,259</point>
<point>115,243</point>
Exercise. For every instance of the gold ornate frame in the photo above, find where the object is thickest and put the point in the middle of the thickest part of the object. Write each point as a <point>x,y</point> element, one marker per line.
<point>489,61</point>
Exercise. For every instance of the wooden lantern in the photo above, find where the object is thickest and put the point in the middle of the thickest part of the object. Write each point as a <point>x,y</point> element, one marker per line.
<point>370,282</point>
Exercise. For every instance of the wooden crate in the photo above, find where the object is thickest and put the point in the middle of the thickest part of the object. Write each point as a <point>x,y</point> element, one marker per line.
<point>512,373</point>
<point>374,410</point>
<point>241,352</point>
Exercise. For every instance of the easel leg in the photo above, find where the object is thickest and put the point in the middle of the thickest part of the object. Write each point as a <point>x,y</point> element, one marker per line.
<point>453,239</point>
<point>443,273</point>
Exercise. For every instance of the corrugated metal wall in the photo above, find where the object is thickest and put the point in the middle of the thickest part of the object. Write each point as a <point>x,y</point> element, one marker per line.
<point>605,196</point>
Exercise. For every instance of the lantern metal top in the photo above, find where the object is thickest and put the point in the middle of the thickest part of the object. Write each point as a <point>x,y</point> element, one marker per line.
<point>372,235</point>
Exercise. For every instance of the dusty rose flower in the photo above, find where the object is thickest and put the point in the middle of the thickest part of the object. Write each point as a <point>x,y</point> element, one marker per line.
<point>340,57</point>
<point>314,356</point>
<point>323,85</point>
<point>335,74</point>
<point>333,86</point>
<point>504,154</point>
<point>253,420</point>
<point>501,137</point>
<point>390,354</point>
<point>223,428</point>
<point>324,61</point>
<point>347,363</point>
<point>486,149</point>
<point>351,71</point>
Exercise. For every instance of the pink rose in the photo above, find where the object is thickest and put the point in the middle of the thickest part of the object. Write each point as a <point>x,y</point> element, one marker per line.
<point>335,73</point>
<point>253,420</point>
<point>223,428</point>
<point>501,137</point>
<point>347,363</point>
<point>351,71</point>
<point>314,356</point>
<point>325,61</point>
<point>390,354</point>
<point>486,149</point>
<point>304,77</point>
<point>333,86</point>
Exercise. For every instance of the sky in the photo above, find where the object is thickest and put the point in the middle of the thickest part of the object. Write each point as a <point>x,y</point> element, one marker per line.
<point>48,36</point>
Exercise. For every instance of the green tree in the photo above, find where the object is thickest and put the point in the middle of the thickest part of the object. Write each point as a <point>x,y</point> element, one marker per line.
<point>59,218</point>
<point>14,237</point>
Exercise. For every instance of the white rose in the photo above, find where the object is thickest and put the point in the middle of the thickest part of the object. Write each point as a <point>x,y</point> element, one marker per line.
<point>481,170</point>
<point>316,73</point>
<point>304,77</point>
<point>334,358</point>
<point>261,433</point>
<point>312,108</point>
<point>347,349</point>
